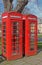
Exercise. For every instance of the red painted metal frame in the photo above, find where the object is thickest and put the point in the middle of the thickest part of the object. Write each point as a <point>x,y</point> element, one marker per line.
<point>9,18</point>
<point>30,19</point>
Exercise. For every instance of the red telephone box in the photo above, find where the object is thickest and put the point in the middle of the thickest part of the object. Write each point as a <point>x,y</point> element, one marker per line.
<point>30,35</point>
<point>12,35</point>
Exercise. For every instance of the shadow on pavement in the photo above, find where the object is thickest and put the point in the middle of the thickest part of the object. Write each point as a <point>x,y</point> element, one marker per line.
<point>1,59</point>
<point>39,50</point>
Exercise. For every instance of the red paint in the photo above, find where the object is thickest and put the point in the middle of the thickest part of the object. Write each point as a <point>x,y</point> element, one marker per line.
<point>15,51</point>
<point>13,46</point>
<point>29,20</point>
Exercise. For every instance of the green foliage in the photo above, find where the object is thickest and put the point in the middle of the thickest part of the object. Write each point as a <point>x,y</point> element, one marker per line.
<point>40,35</point>
<point>0,41</point>
<point>39,44</point>
<point>0,52</point>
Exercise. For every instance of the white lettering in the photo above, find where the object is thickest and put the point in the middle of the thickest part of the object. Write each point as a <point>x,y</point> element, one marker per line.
<point>32,18</point>
<point>4,16</point>
<point>15,16</point>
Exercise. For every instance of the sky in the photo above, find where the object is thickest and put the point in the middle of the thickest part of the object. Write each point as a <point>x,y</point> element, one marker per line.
<point>40,4</point>
<point>14,3</point>
<point>34,7</point>
<point>1,6</point>
<point>0,1</point>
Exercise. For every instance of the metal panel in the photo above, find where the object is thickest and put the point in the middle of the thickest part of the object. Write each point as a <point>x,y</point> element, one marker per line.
<point>12,36</point>
<point>31,35</point>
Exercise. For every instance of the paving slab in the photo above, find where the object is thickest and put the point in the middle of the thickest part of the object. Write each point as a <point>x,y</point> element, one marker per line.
<point>32,60</point>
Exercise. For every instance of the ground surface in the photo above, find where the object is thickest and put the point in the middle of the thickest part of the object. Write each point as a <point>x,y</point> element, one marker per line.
<point>33,60</point>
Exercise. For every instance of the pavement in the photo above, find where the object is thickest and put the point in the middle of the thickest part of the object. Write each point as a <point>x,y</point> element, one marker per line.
<point>32,60</point>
